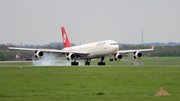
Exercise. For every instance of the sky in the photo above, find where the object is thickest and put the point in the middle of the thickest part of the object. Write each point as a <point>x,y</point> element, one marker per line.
<point>38,22</point>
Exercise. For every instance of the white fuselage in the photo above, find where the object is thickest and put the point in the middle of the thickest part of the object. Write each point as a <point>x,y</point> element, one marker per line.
<point>96,49</point>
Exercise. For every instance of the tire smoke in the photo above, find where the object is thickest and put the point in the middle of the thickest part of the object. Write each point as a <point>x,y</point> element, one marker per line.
<point>51,60</point>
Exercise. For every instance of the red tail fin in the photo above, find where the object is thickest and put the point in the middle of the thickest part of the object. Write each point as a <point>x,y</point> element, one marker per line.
<point>65,38</point>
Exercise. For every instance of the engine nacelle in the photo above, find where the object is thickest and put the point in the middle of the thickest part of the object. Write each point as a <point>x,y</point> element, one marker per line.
<point>137,55</point>
<point>38,54</point>
<point>118,57</point>
<point>70,56</point>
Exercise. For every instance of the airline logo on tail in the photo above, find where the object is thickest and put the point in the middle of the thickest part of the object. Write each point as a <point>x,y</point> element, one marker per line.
<point>65,38</point>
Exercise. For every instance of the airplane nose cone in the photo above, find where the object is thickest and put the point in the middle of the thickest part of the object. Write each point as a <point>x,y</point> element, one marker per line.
<point>117,47</point>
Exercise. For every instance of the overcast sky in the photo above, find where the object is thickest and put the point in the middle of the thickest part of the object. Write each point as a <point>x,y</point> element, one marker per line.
<point>39,21</point>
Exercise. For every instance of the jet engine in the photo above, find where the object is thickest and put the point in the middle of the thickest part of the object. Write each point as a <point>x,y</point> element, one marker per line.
<point>38,54</point>
<point>118,57</point>
<point>137,55</point>
<point>70,56</point>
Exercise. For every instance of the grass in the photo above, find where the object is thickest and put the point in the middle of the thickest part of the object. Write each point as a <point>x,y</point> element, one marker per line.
<point>93,83</point>
<point>160,61</point>
<point>9,63</point>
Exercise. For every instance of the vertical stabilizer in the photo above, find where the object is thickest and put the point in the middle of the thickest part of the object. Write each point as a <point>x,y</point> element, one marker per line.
<point>65,38</point>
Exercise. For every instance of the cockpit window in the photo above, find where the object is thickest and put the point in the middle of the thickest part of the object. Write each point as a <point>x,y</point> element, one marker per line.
<point>114,44</point>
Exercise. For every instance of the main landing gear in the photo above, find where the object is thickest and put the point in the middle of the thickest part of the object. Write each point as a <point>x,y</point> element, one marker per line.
<point>87,62</point>
<point>74,63</point>
<point>102,63</point>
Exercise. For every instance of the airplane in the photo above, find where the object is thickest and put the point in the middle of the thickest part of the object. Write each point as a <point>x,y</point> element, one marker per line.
<point>86,52</point>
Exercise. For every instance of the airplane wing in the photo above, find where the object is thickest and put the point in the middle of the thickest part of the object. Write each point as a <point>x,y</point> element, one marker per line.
<point>48,50</point>
<point>136,50</point>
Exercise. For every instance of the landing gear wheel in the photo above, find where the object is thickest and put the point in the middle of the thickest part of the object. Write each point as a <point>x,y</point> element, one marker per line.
<point>87,63</point>
<point>101,63</point>
<point>111,59</point>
